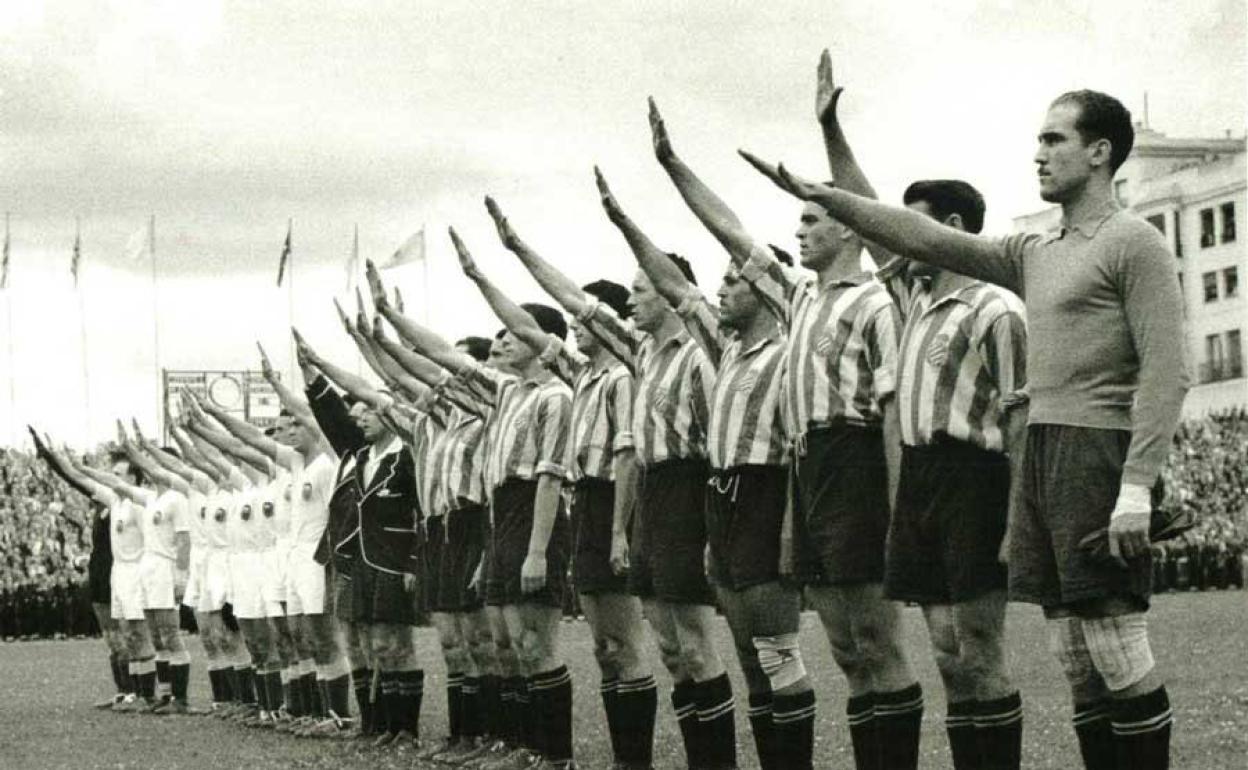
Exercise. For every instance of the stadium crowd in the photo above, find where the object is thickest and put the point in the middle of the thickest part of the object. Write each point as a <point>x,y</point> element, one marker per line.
<point>45,534</point>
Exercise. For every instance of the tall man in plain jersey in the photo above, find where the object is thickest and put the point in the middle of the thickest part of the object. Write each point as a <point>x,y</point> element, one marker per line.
<point>603,472</point>
<point>838,393</point>
<point>1106,383</point>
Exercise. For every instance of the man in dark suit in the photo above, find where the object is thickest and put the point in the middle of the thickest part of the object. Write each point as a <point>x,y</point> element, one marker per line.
<point>382,549</point>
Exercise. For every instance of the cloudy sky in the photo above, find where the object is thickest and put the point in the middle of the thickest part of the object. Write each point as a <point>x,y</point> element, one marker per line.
<point>224,119</point>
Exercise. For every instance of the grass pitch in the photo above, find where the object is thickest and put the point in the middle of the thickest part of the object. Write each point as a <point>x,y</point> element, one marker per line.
<point>1198,641</point>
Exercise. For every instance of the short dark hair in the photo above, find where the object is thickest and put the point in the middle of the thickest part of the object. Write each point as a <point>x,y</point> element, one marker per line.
<point>478,347</point>
<point>610,294</point>
<point>949,196</point>
<point>782,256</point>
<point>685,269</point>
<point>1101,116</point>
<point>136,473</point>
<point>550,320</point>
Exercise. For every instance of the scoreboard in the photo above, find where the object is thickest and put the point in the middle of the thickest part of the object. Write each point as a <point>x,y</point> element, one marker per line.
<point>245,394</point>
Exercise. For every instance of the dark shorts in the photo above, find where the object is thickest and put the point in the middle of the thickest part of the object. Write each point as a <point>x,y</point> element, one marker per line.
<point>841,506</point>
<point>432,551</point>
<point>592,514</point>
<point>513,524</point>
<point>380,597</point>
<point>1071,477</point>
<point>946,530</point>
<point>669,534</point>
<point>744,515</point>
<point>465,531</point>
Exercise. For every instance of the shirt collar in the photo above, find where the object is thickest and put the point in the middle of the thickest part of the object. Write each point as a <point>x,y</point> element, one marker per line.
<point>1090,223</point>
<point>390,447</point>
<point>855,279</point>
<point>961,295</point>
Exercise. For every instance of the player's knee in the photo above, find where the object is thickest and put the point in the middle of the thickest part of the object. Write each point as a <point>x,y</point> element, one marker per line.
<point>1069,645</point>
<point>1119,648</point>
<point>780,659</point>
<point>695,661</point>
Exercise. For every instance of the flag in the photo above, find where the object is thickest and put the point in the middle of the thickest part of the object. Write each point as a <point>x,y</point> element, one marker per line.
<point>281,265</point>
<point>353,264</point>
<point>73,264</point>
<point>139,244</point>
<point>4,260</point>
<point>412,250</point>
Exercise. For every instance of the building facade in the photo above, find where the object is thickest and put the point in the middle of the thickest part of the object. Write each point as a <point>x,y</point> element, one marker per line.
<point>1195,192</point>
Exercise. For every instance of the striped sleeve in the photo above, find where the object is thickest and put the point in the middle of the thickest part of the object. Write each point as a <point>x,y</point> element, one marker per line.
<point>620,410</point>
<point>775,285</point>
<point>702,377</point>
<point>619,338</point>
<point>455,392</point>
<point>562,362</point>
<point>881,335</point>
<point>898,284</point>
<point>699,317</point>
<point>554,423</point>
<point>1004,350</point>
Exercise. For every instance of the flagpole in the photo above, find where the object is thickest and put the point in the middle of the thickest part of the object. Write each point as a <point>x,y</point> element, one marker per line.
<point>290,297</point>
<point>352,269</point>
<point>151,248</point>
<point>424,268</point>
<point>82,336</point>
<point>14,429</point>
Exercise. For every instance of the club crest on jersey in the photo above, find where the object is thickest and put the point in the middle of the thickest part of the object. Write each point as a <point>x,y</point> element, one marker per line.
<point>938,350</point>
<point>286,493</point>
<point>203,512</point>
<point>121,525</point>
<point>658,398</point>
<point>823,345</point>
<point>156,517</point>
<point>268,510</point>
<point>246,515</point>
<point>219,515</point>
<point>307,491</point>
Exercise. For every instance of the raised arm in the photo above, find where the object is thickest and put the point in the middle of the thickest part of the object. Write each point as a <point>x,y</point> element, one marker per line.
<point>154,470</point>
<point>905,232</point>
<point>62,467</point>
<point>426,342</point>
<point>354,384</point>
<point>253,437</point>
<point>393,370</point>
<point>561,289</point>
<point>115,483</point>
<point>668,281</point>
<point>194,458</point>
<point>298,407</point>
<point>188,473</point>
<point>201,425</point>
<point>515,318</point>
<point>708,207</point>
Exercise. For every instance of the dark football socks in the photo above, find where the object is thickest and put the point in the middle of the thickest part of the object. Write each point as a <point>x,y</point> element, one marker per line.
<point>898,724</point>
<point>609,689</point>
<point>860,716</point>
<point>1141,727</point>
<point>471,718</point>
<point>686,710</point>
<point>999,729</point>
<point>963,741</point>
<point>793,718</point>
<point>553,701</point>
<point>1096,736</point>
<point>761,726</point>
<point>181,673</point>
<point>637,701</point>
<point>362,680</point>
<point>716,719</point>
<point>454,703</point>
<point>409,692</point>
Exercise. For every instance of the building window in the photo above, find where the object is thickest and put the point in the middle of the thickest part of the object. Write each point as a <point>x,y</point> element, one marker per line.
<point>1120,192</point>
<point>1234,355</point>
<point>1178,235</point>
<point>1158,221</point>
<point>1206,228</point>
<point>1230,282</point>
<point>1228,222</point>
<point>1210,281</point>
<point>1211,369</point>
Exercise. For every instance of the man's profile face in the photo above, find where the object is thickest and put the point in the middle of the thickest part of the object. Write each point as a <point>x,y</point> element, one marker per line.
<point>649,307</point>
<point>585,342</point>
<point>513,353</point>
<point>738,305</point>
<point>368,421</point>
<point>1063,161</point>
<point>819,237</point>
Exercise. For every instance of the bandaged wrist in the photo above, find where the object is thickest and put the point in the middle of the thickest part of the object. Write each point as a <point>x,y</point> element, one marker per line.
<point>1132,498</point>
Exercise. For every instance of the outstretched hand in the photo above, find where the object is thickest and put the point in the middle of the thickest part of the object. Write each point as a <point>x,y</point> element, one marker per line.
<point>361,316</point>
<point>466,262</point>
<point>266,366</point>
<point>827,92</point>
<point>785,179</point>
<point>399,305</point>
<point>375,287</point>
<point>304,355</point>
<point>609,203</point>
<point>343,318</point>
<point>505,232</point>
<point>658,135</point>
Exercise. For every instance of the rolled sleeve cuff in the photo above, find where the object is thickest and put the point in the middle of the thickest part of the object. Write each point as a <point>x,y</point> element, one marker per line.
<point>885,383</point>
<point>623,441</point>
<point>1015,398</point>
<point>319,387</point>
<point>756,266</point>
<point>690,302</point>
<point>551,469</point>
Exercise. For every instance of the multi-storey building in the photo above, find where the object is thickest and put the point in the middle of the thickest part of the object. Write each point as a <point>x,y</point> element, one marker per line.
<point>1195,191</point>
